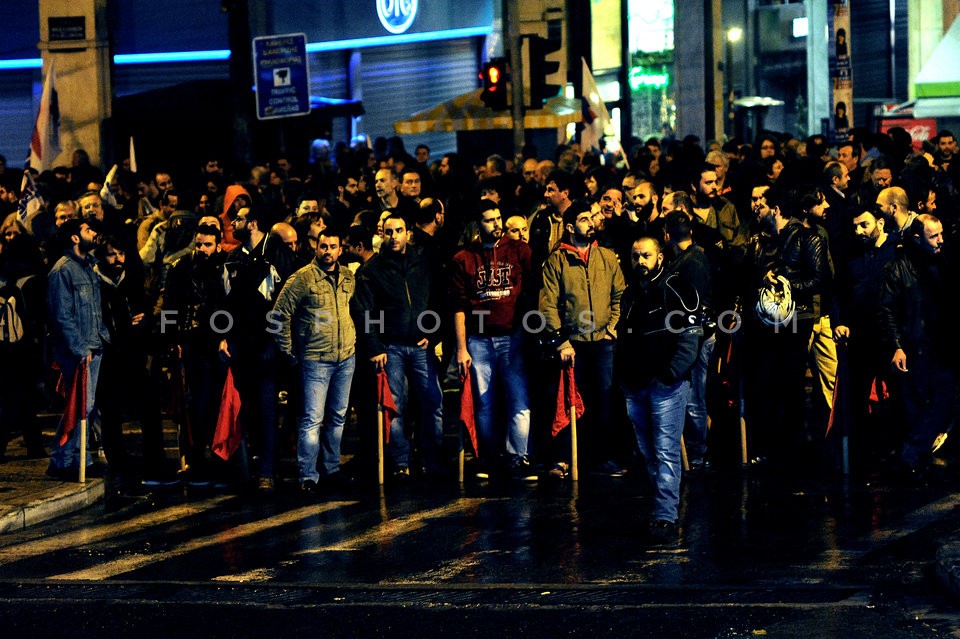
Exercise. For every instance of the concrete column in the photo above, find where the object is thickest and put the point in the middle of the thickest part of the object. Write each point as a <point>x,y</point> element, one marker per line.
<point>698,47</point>
<point>818,65</point>
<point>73,34</point>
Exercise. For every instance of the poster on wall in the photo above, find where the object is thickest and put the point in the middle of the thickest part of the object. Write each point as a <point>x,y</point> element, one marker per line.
<point>841,75</point>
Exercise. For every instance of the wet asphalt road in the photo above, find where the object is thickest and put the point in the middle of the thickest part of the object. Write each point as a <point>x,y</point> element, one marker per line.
<point>762,554</point>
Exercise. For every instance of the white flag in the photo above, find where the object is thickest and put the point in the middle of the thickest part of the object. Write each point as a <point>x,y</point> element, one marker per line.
<point>596,119</point>
<point>133,157</point>
<point>45,144</point>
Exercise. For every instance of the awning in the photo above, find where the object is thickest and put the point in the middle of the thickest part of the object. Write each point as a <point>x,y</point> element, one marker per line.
<point>468,113</point>
<point>940,76</point>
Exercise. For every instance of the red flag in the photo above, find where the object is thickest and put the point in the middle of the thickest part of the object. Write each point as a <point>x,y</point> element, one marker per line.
<point>385,403</point>
<point>833,406</point>
<point>226,438</point>
<point>878,394</point>
<point>567,396</point>
<point>45,142</point>
<point>467,415</point>
<point>76,406</point>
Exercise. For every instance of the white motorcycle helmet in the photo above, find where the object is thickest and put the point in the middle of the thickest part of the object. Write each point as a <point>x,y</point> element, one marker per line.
<point>775,305</point>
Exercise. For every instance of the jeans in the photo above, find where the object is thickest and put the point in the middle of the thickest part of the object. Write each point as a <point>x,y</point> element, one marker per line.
<point>326,396</point>
<point>698,427</point>
<point>67,455</point>
<point>418,366</point>
<point>657,413</point>
<point>501,358</point>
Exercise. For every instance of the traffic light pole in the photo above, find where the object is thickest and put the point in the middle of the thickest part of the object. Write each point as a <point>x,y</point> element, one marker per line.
<point>512,13</point>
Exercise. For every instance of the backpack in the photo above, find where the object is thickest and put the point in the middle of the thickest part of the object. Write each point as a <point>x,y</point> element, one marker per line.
<point>12,308</point>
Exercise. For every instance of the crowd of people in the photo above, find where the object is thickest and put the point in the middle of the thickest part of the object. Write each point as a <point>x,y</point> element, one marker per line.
<point>694,291</point>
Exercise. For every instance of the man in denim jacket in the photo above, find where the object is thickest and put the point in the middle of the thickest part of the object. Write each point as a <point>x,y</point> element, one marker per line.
<point>77,331</point>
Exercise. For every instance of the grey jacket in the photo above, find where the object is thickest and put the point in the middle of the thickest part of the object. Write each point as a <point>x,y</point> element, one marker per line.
<point>311,319</point>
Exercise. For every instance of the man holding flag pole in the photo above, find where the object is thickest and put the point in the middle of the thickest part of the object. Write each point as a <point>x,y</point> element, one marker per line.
<point>78,335</point>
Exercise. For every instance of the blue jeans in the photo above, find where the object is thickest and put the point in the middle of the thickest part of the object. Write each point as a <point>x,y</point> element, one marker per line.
<point>418,366</point>
<point>657,413</point>
<point>67,456</point>
<point>697,427</point>
<point>326,396</point>
<point>501,358</point>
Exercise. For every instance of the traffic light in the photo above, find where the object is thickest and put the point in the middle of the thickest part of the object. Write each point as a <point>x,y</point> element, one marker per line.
<point>545,82</point>
<point>495,90</point>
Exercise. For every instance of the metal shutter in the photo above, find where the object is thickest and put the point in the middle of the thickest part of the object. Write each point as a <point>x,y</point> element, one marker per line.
<point>19,102</point>
<point>400,80</point>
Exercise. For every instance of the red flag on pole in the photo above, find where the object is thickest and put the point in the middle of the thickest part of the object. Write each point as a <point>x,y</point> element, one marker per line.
<point>567,396</point>
<point>385,403</point>
<point>226,438</point>
<point>467,414</point>
<point>76,405</point>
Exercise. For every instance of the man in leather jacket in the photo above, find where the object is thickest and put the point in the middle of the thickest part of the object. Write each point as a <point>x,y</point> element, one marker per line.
<point>916,332</point>
<point>776,356</point>
<point>658,338</point>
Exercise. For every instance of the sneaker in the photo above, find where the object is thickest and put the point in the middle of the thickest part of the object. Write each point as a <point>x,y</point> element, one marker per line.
<point>265,485</point>
<point>523,470</point>
<point>664,533</point>
<point>401,474</point>
<point>560,470</point>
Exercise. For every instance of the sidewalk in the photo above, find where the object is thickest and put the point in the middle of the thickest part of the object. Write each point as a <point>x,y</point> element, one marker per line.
<point>28,496</point>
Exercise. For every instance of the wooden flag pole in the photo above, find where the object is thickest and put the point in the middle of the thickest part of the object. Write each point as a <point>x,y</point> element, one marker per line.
<point>683,455</point>
<point>460,456</point>
<point>743,442</point>
<point>574,471</point>
<point>380,422</point>
<point>81,379</point>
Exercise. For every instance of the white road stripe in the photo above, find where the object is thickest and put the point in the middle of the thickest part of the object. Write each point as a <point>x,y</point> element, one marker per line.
<point>140,560</point>
<point>96,534</point>
<point>393,528</point>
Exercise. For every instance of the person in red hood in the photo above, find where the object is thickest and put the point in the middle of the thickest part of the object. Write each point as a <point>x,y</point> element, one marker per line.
<point>234,199</point>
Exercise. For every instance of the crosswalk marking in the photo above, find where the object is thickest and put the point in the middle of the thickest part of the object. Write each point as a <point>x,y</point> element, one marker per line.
<point>391,529</point>
<point>96,534</point>
<point>140,560</point>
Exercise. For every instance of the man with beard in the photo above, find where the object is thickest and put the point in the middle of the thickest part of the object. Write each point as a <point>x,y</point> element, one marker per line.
<point>776,346</point>
<point>251,286</point>
<point>657,342</point>
<point>855,311</point>
<point>916,333</point>
<point>345,206</point>
<point>713,210</point>
<point>489,281</point>
<point>312,326</point>
<point>580,299</point>
<point>77,333</point>
<point>124,386</point>
<point>193,295</point>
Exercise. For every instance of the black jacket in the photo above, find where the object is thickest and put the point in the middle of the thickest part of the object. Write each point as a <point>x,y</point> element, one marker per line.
<point>914,312</point>
<point>802,259</point>
<point>399,286</point>
<point>658,336</point>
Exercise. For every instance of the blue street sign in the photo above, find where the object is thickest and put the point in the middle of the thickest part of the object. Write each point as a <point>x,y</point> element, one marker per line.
<point>282,75</point>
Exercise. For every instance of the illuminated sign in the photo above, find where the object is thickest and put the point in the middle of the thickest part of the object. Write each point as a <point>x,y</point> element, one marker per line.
<point>638,79</point>
<point>396,16</point>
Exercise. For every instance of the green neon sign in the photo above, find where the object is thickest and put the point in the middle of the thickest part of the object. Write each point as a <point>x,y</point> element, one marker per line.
<point>639,78</point>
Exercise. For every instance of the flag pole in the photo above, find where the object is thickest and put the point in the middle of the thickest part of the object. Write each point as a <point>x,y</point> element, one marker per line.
<point>683,455</point>
<point>380,422</point>
<point>574,470</point>
<point>461,455</point>
<point>81,379</point>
